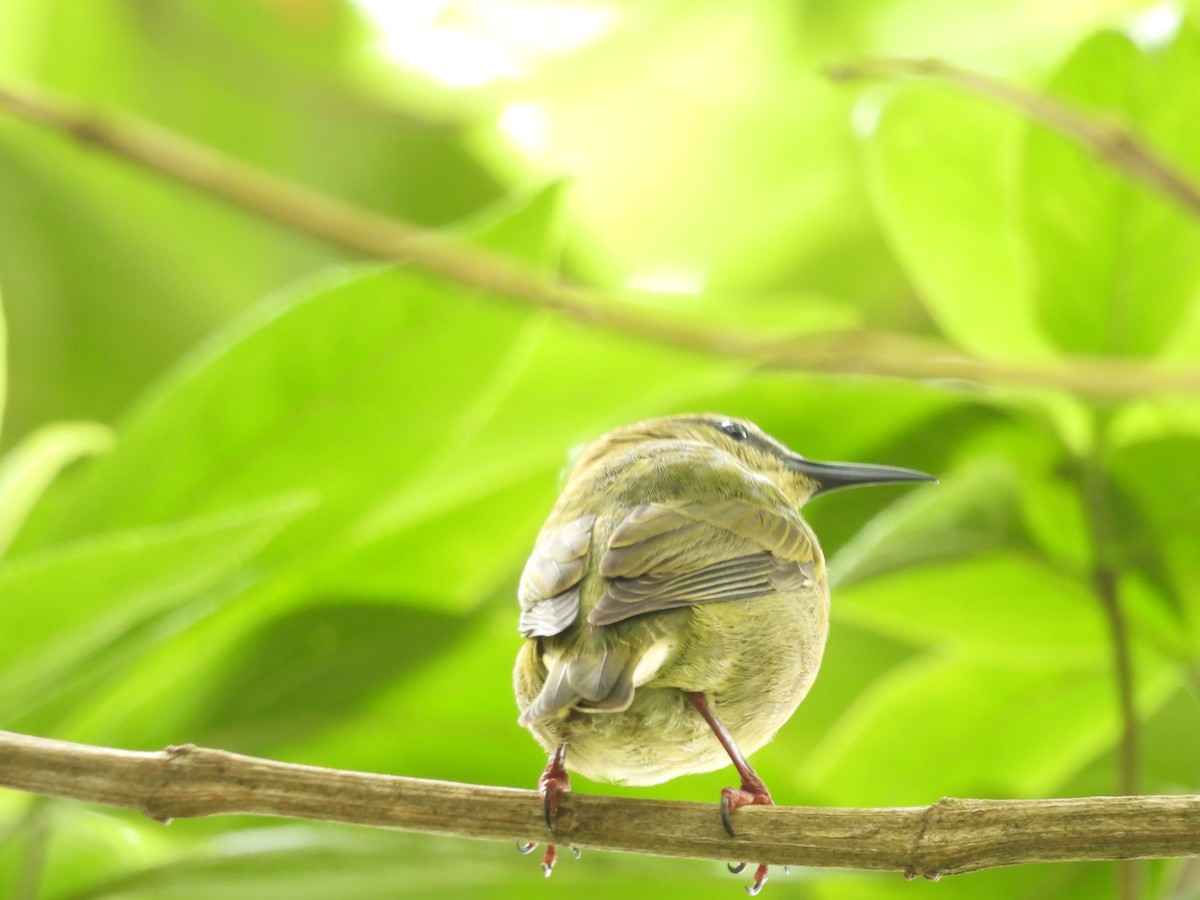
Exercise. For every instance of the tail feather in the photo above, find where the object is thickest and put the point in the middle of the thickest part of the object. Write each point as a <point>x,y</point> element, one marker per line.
<point>595,682</point>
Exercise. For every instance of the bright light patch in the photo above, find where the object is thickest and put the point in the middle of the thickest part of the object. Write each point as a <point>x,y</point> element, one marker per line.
<point>667,280</point>
<point>865,114</point>
<point>469,43</point>
<point>1157,26</point>
<point>524,124</point>
<point>545,29</point>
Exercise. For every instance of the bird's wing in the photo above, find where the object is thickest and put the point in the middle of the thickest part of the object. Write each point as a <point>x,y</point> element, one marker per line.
<point>679,553</point>
<point>549,589</point>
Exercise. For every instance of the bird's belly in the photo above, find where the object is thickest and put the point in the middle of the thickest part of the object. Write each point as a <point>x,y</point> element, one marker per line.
<point>754,664</point>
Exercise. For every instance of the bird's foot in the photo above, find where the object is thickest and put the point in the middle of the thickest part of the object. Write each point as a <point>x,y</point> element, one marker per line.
<point>554,783</point>
<point>752,793</point>
<point>760,876</point>
<point>549,858</point>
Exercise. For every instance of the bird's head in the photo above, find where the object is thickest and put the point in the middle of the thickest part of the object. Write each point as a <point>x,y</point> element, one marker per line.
<point>800,479</point>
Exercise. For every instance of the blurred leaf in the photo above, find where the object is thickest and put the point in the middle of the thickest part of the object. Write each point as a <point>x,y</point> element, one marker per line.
<point>1047,882</point>
<point>72,614</point>
<point>970,512</point>
<point>339,654</point>
<point>530,227</point>
<point>308,862</point>
<point>942,168</point>
<point>1115,264</point>
<point>3,365</point>
<point>290,399</point>
<point>29,468</point>
<point>97,253</point>
<point>985,605</point>
<point>1162,479</point>
<point>414,726</point>
<point>1008,728</point>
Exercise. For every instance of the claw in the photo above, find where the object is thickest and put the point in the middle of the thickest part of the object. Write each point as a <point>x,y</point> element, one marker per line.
<point>549,859</point>
<point>525,849</point>
<point>751,793</point>
<point>736,868</point>
<point>576,852</point>
<point>553,784</point>
<point>760,878</point>
<point>725,811</point>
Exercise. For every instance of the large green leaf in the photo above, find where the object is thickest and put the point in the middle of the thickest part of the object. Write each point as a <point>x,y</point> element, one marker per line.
<point>970,512</point>
<point>1001,607</point>
<point>942,168</point>
<point>1162,481</point>
<point>997,728</point>
<point>99,256</point>
<point>74,615</point>
<point>1115,263</point>
<point>395,397</point>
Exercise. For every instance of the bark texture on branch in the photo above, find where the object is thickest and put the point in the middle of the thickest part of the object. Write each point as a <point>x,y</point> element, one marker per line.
<point>946,838</point>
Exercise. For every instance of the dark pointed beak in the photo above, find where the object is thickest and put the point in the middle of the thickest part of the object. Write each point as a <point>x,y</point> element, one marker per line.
<point>831,476</point>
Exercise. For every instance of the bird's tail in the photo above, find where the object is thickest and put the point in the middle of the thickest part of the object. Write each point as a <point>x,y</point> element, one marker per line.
<point>597,681</point>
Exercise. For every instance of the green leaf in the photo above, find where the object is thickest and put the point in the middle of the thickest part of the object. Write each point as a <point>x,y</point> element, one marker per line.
<point>1115,263</point>
<point>942,172</point>
<point>29,468</point>
<point>997,729</point>
<point>315,862</point>
<point>3,365</point>
<point>394,396</point>
<point>970,512</point>
<point>1161,479</point>
<point>530,227</point>
<point>986,605</point>
<point>74,614</point>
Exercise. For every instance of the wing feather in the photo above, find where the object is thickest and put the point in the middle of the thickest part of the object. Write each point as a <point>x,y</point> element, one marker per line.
<point>680,553</point>
<point>549,588</point>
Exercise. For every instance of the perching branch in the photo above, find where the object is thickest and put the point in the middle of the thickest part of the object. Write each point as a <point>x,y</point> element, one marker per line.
<point>378,236</point>
<point>949,837</point>
<point>1110,141</point>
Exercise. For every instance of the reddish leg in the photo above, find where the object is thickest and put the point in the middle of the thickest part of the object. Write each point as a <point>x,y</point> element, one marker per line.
<point>552,785</point>
<point>751,792</point>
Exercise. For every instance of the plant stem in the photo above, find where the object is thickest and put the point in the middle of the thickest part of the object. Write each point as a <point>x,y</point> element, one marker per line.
<point>377,236</point>
<point>1105,577</point>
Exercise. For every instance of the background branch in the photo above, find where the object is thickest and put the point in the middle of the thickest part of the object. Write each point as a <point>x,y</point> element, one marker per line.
<point>948,837</point>
<point>1107,139</point>
<point>378,236</point>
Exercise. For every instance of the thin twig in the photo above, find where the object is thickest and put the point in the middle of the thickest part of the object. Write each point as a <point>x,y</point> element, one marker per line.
<point>951,837</point>
<point>1105,577</point>
<point>1109,140</point>
<point>374,235</point>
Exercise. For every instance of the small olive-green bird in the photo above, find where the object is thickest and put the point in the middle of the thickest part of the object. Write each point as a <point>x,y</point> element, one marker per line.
<point>675,606</point>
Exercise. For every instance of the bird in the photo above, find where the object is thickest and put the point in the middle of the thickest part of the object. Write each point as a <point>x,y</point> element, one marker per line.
<point>675,607</point>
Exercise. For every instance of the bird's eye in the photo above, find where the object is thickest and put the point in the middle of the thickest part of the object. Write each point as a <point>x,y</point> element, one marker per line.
<point>734,430</point>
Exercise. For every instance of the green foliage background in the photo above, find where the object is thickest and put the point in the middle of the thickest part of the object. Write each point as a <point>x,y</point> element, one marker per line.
<point>292,526</point>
